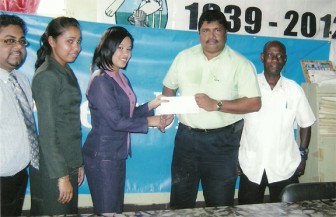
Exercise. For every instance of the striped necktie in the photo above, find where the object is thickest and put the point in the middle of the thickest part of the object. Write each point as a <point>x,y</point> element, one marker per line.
<point>28,119</point>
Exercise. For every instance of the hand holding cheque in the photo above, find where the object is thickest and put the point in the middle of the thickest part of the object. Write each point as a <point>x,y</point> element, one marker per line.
<point>161,122</point>
<point>179,105</point>
<point>183,105</point>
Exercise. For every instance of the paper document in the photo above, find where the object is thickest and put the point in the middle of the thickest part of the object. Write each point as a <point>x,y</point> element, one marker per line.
<point>179,105</point>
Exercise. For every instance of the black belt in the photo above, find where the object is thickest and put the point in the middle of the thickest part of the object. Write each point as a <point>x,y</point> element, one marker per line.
<point>198,130</point>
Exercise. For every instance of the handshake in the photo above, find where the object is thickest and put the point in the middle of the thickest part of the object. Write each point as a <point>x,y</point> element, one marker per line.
<point>160,121</point>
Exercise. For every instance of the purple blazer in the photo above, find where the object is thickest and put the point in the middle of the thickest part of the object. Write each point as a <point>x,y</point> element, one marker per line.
<point>110,118</point>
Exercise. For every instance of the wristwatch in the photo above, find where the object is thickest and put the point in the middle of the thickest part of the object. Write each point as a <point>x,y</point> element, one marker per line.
<point>219,105</point>
<point>304,153</point>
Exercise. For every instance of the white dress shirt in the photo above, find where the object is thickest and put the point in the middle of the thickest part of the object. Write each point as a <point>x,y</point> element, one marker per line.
<point>14,144</point>
<point>268,141</point>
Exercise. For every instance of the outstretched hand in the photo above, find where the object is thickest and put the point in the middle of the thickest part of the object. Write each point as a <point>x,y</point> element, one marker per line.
<point>165,120</point>
<point>156,102</point>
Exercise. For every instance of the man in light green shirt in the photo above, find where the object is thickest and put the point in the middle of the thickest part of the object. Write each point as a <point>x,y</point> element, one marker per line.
<point>206,145</point>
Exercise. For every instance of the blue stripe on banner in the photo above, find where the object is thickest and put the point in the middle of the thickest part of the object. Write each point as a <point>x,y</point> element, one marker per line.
<point>148,171</point>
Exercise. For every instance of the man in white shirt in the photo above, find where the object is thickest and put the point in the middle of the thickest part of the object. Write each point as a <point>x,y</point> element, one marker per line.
<point>269,155</point>
<point>14,143</point>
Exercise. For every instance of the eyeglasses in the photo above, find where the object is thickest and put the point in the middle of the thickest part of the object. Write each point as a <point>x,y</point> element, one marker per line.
<point>277,56</point>
<point>11,41</point>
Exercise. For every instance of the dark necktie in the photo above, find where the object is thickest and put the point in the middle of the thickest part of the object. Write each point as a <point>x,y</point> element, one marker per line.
<point>28,119</point>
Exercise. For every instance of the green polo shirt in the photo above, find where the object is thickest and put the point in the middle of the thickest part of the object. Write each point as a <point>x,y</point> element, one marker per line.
<point>228,76</point>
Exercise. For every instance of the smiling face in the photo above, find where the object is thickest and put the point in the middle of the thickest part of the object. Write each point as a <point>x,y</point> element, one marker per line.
<point>122,54</point>
<point>212,38</point>
<point>11,56</point>
<point>66,47</point>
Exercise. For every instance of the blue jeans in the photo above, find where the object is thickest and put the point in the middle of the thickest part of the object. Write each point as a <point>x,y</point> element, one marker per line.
<point>207,157</point>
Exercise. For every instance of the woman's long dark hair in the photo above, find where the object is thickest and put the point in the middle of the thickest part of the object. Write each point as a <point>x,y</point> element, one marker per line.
<point>109,42</point>
<point>55,28</point>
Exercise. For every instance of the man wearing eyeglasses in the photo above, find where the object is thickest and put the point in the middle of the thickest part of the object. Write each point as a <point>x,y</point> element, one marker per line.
<point>14,143</point>
<point>269,155</point>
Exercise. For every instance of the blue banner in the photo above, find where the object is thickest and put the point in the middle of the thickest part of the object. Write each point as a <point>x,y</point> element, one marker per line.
<point>148,171</point>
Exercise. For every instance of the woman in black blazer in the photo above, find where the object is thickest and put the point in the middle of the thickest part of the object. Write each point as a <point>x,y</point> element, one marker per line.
<point>54,188</point>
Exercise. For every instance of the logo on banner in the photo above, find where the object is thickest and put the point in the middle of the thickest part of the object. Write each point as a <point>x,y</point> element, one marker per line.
<point>146,13</point>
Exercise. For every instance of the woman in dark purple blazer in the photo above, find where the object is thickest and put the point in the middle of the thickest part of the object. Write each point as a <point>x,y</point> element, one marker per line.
<point>114,116</point>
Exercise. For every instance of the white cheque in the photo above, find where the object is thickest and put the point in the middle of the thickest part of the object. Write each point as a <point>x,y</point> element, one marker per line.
<point>179,105</point>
